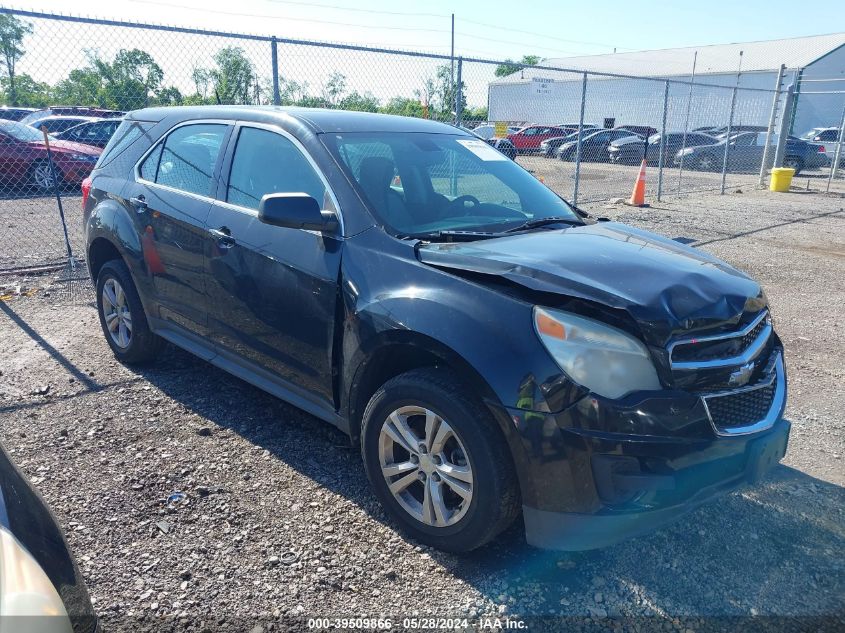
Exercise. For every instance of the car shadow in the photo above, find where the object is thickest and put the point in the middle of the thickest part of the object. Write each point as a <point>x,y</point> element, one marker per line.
<point>742,554</point>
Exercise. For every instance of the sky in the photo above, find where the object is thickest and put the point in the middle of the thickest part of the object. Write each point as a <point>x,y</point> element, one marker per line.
<point>483,29</point>
<point>549,28</point>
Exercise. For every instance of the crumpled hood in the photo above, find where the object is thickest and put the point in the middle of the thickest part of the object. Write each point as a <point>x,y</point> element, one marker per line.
<point>665,286</point>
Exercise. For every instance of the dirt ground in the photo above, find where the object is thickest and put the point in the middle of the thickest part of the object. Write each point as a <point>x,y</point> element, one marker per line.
<point>106,445</point>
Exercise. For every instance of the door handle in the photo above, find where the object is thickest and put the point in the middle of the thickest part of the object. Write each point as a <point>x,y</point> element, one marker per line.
<point>139,202</point>
<point>223,236</point>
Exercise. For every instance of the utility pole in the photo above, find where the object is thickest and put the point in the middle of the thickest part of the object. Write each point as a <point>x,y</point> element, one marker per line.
<point>452,55</point>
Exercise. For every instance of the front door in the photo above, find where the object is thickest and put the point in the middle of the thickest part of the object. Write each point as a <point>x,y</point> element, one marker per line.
<point>272,291</point>
<point>171,199</point>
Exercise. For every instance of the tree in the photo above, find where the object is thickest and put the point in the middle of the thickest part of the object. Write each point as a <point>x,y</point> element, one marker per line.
<point>361,102</point>
<point>446,91</point>
<point>233,78</point>
<point>12,32</point>
<point>130,81</point>
<point>510,67</point>
<point>30,93</point>
<point>404,106</point>
<point>335,88</point>
<point>83,86</point>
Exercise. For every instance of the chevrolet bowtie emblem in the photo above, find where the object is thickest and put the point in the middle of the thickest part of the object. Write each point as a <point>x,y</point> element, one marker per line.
<point>741,376</point>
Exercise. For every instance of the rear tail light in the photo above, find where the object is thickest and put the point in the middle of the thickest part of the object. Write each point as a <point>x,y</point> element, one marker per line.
<point>821,149</point>
<point>86,189</point>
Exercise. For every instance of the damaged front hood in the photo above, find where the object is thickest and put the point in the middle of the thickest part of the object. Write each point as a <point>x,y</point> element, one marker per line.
<point>665,286</point>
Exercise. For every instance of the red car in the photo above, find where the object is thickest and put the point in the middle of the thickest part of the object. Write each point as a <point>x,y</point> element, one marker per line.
<point>23,158</point>
<point>528,139</point>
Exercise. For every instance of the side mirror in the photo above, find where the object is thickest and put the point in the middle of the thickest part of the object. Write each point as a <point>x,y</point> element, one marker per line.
<point>295,211</point>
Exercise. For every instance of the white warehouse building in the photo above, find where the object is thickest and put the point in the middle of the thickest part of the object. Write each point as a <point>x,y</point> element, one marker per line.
<point>552,97</point>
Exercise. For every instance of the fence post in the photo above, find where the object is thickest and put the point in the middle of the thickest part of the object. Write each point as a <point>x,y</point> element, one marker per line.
<point>662,143</point>
<point>785,124</point>
<point>837,155</point>
<point>772,118</point>
<point>578,144</point>
<point>728,142</point>
<point>274,53</point>
<point>459,93</point>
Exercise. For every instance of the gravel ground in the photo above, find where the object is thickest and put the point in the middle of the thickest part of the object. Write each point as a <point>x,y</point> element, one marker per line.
<point>278,523</point>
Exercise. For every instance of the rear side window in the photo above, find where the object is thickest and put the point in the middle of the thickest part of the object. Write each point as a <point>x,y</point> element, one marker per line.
<point>266,162</point>
<point>124,136</point>
<point>186,159</point>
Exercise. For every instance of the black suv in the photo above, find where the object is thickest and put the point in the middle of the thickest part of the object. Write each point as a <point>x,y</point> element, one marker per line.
<point>491,349</point>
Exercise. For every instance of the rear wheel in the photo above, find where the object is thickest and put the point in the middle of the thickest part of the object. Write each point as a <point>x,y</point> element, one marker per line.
<point>437,462</point>
<point>122,316</point>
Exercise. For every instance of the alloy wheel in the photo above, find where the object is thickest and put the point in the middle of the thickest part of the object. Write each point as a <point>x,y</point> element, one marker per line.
<point>425,465</point>
<point>42,176</point>
<point>116,313</point>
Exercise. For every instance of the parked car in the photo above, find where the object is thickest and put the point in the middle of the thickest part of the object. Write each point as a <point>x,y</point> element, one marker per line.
<point>640,130</point>
<point>487,131</point>
<point>94,133</point>
<point>721,132</point>
<point>41,587</point>
<point>746,154</point>
<point>528,139</point>
<point>550,146</point>
<point>97,113</point>
<point>14,114</point>
<point>828,137</point>
<point>593,146</point>
<point>476,335</point>
<point>630,150</point>
<point>23,158</point>
<point>501,144</point>
<point>59,123</point>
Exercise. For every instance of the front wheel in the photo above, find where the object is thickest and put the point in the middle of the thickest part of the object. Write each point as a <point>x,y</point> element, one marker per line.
<point>41,176</point>
<point>437,462</point>
<point>794,163</point>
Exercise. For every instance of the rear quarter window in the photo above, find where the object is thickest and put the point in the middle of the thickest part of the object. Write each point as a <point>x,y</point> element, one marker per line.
<point>124,136</point>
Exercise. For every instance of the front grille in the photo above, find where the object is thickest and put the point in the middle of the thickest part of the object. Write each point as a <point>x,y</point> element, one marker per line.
<point>705,349</point>
<point>742,408</point>
<point>708,350</point>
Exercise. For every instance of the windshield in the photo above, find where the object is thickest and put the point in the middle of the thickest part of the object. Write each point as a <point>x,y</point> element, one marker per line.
<point>426,183</point>
<point>21,132</point>
<point>811,134</point>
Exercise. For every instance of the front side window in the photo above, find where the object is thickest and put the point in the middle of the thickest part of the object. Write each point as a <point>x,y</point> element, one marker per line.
<point>186,159</point>
<point>425,183</point>
<point>267,162</point>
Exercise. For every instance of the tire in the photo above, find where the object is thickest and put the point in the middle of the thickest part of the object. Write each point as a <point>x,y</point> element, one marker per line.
<point>132,341</point>
<point>704,163</point>
<point>794,163</point>
<point>41,176</point>
<point>432,397</point>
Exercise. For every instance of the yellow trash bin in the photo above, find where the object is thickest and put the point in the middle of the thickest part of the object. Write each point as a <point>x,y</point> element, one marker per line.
<point>781,179</point>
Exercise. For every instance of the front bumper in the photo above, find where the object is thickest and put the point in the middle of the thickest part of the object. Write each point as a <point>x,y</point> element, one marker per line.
<point>604,470</point>
<point>652,500</point>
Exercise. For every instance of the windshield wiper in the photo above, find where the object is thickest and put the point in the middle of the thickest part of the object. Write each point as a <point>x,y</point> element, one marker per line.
<point>538,222</point>
<point>450,236</point>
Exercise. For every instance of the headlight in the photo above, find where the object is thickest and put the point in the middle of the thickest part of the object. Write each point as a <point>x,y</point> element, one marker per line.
<point>604,359</point>
<point>25,590</point>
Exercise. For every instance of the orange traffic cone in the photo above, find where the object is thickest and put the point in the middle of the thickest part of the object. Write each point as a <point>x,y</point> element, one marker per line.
<point>638,194</point>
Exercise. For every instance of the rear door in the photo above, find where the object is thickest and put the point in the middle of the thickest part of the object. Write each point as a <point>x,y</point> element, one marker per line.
<point>172,194</point>
<point>272,290</point>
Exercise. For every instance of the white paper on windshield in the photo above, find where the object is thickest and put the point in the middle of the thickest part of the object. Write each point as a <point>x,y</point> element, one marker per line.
<point>482,150</point>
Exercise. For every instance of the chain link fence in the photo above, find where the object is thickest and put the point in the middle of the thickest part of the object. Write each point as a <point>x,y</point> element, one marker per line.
<point>77,76</point>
